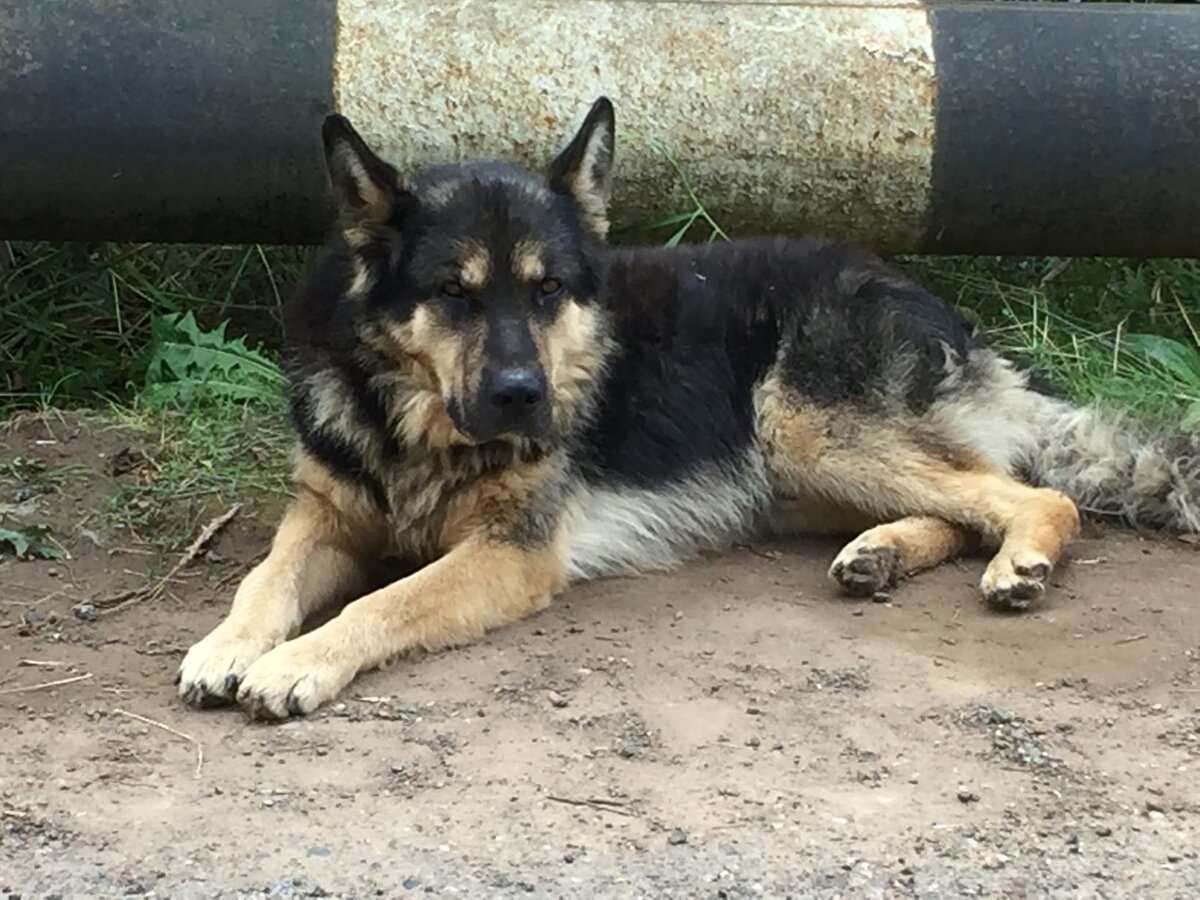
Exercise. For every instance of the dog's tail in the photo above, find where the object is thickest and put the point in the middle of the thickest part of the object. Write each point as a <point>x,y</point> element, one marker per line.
<point>1115,468</point>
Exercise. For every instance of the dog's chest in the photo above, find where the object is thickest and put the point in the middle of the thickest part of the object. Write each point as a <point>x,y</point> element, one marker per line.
<point>420,488</point>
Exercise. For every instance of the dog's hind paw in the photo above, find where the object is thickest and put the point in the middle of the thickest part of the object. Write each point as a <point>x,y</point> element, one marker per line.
<point>1013,582</point>
<point>862,569</point>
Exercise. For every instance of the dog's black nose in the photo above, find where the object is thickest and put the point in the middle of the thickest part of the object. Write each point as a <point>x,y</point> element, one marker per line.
<point>518,388</point>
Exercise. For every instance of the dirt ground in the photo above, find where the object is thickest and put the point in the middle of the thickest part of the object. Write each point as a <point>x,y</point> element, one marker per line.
<point>732,730</point>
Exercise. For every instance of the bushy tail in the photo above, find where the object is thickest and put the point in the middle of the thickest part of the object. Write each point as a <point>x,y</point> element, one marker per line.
<point>1116,469</point>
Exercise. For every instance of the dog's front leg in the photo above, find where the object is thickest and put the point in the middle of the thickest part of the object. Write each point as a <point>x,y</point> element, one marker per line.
<point>480,584</point>
<point>323,550</point>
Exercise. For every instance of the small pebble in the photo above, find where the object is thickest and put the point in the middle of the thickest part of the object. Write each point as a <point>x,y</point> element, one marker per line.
<point>965,796</point>
<point>881,597</point>
<point>1103,831</point>
<point>86,612</point>
<point>410,883</point>
<point>556,699</point>
<point>677,837</point>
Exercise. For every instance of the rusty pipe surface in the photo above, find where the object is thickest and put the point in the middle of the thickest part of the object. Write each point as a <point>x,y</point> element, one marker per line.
<point>960,127</point>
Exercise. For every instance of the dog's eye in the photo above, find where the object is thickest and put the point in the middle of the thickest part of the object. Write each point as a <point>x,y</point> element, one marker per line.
<point>452,289</point>
<point>550,287</point>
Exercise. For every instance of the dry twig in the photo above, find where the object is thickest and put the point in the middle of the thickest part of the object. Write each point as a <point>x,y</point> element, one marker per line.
<point>596,803</point>
<point>167,728</point>
<point>28,688</point>
<point>1130,640</point>
<point>156,590</point>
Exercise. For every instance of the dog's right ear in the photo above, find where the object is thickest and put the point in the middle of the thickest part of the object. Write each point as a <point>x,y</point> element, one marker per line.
<point>365,189</point>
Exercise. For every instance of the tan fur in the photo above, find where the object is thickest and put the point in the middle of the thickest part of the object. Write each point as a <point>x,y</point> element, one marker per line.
<point>376,198</point>
<point>362,281</point>
<point>879,556</point>
<point>475,265</point>
<point>921,541</point>
<point>810,514</point>
<point>479,584</point>
<point>897,468</point>
<point>491,503</point>
<point>528,262</point>
<point>436,357</point>
<point>574,350</point>
<point>316,557</point>
<point>592,195</point>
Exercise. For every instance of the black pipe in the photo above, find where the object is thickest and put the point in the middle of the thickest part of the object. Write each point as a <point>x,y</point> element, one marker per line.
<point>1054,128</point>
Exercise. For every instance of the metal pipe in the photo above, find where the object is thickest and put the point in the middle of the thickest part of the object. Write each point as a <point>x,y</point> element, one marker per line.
<point>962,127</point>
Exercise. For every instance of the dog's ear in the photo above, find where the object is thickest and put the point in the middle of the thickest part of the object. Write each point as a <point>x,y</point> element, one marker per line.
<point>584,170</point>
<point>366,190</point>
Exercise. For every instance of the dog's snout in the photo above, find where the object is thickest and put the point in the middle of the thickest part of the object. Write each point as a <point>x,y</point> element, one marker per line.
<point>520,388</point>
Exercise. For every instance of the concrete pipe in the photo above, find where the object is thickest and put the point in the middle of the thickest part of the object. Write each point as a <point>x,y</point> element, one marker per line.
<point>964,127</point>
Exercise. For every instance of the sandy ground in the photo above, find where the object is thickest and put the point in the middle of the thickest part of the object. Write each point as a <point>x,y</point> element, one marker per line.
<point>732,730</point>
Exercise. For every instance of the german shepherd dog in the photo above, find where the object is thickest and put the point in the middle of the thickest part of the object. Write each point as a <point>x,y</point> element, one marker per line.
<point>479,383</point>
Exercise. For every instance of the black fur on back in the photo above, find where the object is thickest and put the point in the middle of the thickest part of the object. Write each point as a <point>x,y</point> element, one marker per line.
<point>698,327</point>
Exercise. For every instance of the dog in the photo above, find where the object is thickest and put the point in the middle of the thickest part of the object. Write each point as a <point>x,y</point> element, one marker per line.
<point>480,383</point>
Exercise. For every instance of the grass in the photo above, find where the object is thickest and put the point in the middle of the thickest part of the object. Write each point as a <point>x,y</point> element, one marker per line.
<point>179,342</point>
<point>138,336</point>
<point>76,319</point>
<point>198,460</point>
<point>1117,332</point>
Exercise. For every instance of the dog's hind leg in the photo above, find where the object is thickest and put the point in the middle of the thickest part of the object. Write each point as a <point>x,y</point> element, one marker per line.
<point>898,468</point>
<point>322,550</point>
<point>878,557</point>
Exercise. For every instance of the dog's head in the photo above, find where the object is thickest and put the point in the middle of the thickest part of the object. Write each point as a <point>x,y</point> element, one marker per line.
<point>481,280</point>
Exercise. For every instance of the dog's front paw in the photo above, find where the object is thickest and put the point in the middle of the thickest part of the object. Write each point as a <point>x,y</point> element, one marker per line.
<point>292,680</point>
<point>213,668</point>
<point>1013,582</point>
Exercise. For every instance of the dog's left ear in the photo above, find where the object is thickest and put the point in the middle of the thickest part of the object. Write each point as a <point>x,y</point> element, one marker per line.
<point>584,170</point>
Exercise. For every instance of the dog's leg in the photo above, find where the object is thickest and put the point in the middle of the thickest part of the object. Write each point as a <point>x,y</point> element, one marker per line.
<point>479,585</point>
<point>877,558</point>
<point>322,550</point>
<point>1032,525</point>
<point>503,561</point>
<point>899,468</point>
<point>1037,525</point>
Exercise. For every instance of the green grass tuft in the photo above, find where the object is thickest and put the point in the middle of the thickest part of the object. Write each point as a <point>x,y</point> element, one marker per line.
<point>76,319</point>
<point>1116,332</point>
